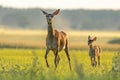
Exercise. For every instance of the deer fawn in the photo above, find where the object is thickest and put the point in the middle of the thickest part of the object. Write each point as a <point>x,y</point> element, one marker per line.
<point>94,51</point>
<point>55,40</point>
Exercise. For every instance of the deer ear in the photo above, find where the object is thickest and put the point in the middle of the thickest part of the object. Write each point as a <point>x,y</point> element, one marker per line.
<point>89,38</point>
<point>56,12</point>
<point>44,12</point>
<point>94,39</point>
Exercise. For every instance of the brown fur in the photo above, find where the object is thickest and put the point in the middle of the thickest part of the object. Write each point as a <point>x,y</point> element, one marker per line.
<point>94,52</point>
<point>55,40</point>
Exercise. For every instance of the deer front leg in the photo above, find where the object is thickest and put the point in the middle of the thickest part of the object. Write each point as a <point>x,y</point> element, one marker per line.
<point>92,62</point>
<point>55,60</point>
<point>47,51</point>
<point>58,58</point>
<point>95,62</point>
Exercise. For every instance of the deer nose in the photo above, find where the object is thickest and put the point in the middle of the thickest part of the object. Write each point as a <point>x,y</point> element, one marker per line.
<point>49,18</point>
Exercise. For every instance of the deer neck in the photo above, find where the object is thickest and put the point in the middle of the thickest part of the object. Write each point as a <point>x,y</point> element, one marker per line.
<point>50,29</point>
<point>91,46</point>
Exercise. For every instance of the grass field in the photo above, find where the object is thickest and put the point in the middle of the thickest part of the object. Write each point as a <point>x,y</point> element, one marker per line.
<point>22,56</point>
<point>29,64</point>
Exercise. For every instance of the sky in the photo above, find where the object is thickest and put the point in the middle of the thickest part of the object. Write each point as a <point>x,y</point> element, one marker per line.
<point>63,4</point>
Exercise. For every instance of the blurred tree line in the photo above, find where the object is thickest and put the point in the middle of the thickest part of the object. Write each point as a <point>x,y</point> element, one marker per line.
<point>67,19</point>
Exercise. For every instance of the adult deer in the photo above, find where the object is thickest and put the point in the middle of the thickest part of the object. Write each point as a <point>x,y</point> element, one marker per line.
<point>94,51</point>
<point>55,40</point>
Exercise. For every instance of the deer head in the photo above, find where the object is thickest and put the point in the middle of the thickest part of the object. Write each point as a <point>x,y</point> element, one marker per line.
<point>90,41</point>
<point>49,17</point>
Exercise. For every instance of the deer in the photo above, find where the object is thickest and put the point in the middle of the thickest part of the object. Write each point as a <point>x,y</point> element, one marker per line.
<point>55,40</point>
<point>94,51</point>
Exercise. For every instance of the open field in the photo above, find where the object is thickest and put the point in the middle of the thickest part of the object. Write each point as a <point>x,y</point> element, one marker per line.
<point>22,56</point>
<point>29,64</point>
<point>36,39</point>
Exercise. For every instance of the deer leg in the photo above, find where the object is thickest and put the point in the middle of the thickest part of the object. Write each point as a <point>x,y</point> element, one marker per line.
<point>55,60</point>
<point>95,62</point>
<point>66,51</point>
<point>98,60</point>
<point>47,51</point>
<point>92,61</point>
<point>58,58</point>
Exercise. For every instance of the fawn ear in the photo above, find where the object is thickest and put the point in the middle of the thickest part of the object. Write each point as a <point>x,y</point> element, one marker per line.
<point>94,39</point>
<point>89,38</point>
<point>56,12</point>
<point>44,12</point>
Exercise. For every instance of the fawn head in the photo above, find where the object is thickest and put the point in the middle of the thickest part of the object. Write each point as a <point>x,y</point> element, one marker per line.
<point>90,41</point>
<point>49,17</point>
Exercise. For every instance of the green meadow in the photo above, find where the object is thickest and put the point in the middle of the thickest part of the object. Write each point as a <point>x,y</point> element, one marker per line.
<point>22,56</point>
<point>29,64</point>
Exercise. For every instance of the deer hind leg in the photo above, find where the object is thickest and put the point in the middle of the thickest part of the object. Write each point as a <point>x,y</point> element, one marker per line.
<point>98,60</point>
<point>67,54</point>
<point>47,51</point>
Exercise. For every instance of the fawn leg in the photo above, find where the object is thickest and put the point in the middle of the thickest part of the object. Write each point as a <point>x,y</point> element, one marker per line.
<point>98,60</point>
